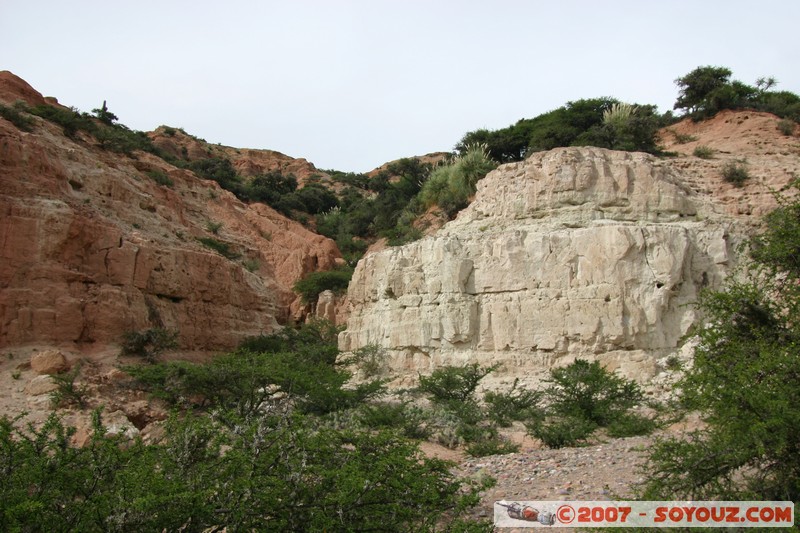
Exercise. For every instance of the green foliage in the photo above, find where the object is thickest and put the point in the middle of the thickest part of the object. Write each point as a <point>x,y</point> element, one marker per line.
<point>515,404</point>
<point>213,227</point>
<point>631,424</point>
<point>295,365</point>
<point>370,360</point>
<point>703,152</point>
<point>697,87</point>
<point>735,172</point>
<point>265,474</point>
<point>708,90</point>
<point>160,177</point>
<point>104,115</point>
<point>221,247</point>
<point>251,265</point>
<point>68,392</point>
<point>585,122</point>
<point>269,188</point>
<point>584,396</point>
<point>745,382</point>
<point>454,383</point>
<point>149,343</point>
<point>787,126</point>
<point>561,431</point>
<point>407,419</point>
<point>314,283</point>
<point>15,114</point>
<point>683,138</point>
<point>587,390</point>
<point>69,119</point>
<point>451,186</point>
<point>221,170</point>
<point>317,337</point>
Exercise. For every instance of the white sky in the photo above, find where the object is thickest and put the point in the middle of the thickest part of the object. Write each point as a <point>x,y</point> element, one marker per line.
<point>351,84</point>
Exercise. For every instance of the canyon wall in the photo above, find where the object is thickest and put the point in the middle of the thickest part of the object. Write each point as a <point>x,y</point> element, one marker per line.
<point>95,243</point>
<point>575,252</point>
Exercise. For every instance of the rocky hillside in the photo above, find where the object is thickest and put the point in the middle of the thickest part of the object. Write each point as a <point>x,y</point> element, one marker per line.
<point>576,252</point>
<point>94,243</point>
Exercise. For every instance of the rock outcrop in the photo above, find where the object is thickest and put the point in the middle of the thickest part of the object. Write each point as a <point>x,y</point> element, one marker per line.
<point>91,245</point>
<point>576,252</point>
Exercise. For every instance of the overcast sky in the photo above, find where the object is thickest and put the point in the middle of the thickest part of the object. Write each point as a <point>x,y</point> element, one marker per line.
<point>351,84</point>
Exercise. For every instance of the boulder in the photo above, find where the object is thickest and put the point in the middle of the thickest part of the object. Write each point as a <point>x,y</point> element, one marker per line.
<point>49,362</point>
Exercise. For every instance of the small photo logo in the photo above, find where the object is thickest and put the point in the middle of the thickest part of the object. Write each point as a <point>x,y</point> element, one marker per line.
<point>518,511</point>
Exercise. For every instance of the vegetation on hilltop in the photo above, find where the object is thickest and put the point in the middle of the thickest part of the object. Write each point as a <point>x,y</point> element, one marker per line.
<point>357,209</point>
<point>705,91</point>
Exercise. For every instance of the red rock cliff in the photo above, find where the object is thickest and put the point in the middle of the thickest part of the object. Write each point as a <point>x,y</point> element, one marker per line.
<point>92,246</point>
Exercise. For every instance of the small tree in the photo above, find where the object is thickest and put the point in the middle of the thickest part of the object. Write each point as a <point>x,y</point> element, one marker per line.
<point>454,383</point>
<point>697,86</point>
<point>104,115</point>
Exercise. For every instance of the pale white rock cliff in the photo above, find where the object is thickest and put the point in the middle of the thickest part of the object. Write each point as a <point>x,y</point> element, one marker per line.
<point>575,252</point>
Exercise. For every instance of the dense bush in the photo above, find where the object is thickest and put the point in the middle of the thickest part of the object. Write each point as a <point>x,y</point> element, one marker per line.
<point>504,407</point>
<point>584,396</point>
<point>745,382</point>
<point>454,383</point>
<point>267,473</point>
<point>735,172</point>
<point>221,247</point>
<point>314,283</point>
<point>16,115</point>
<point>703,152</point>
<point>707,90</point>
<point>450,186</point>
<point>293,364</point>
<point>580,123</point>
<point>149,343</point>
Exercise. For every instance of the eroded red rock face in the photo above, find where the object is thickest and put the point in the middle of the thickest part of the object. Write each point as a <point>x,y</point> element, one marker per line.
<point>91,246</point>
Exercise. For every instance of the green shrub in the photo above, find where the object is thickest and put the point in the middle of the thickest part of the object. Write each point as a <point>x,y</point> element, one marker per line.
<point>15,115</point>
<point>316,338</point>
<point>450,186</point>
<point>370,360</point>
<point>454,383</point>
<point>252,477</point>
<point>683,138</point>
<point>787,126</point>
<point>160,177</point>
<point>246,382</point>
<point>562,431</point>
<point>314,283</point>
<point>491,446</point>
<point>251,265</point>
<point>735,172</point>
<point>587,390</point>
<point>221,247</point>
<point>515,404</point>
<point>409,420</point>
<point>68,392</point>
<point>149,343</point>
<point>703,152</point>
<point>213,227</point>
<point>631,424</point>
<point>582,397</point>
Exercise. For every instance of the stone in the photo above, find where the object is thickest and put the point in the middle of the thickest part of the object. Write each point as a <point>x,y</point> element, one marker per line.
<point>40,385</point>
<point>49,362</point>
<point>575,252</point>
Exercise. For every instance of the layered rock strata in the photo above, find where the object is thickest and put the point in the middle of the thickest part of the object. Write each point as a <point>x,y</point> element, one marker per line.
<point>576,252</point>
<point>94,243</point>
